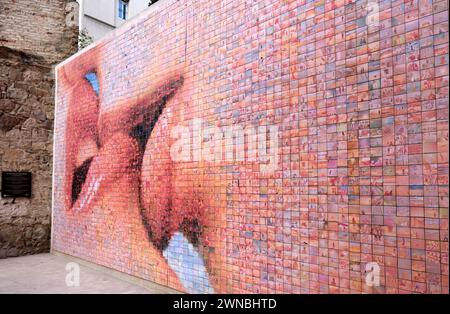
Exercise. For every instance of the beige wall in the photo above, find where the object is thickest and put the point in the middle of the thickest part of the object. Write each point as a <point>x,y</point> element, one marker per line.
<point>102,10</point>
<point>137,6</point>
<point>95,28</point>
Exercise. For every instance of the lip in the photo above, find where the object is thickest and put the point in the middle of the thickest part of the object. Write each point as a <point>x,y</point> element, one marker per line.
<point>115,159</point>
<point>120,134</point>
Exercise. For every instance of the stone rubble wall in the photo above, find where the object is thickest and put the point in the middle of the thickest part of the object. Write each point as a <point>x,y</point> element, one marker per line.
<point>34,36</point>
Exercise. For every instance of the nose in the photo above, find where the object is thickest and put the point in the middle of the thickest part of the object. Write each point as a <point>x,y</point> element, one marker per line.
<point>81,137</point>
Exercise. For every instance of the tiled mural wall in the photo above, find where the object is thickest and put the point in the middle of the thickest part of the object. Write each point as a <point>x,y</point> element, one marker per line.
<point>261,146</point>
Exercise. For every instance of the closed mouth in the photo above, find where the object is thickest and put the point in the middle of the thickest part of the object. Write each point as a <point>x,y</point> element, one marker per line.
<point>139,123</point>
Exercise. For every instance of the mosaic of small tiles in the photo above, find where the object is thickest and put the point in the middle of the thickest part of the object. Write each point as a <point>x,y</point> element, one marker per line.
<point>261,146</point>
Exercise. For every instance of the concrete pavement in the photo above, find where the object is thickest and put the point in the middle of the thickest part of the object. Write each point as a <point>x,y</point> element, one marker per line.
<point>46,273</point>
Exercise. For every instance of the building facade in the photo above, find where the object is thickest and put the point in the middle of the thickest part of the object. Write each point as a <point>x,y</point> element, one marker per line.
<point>98,17</point>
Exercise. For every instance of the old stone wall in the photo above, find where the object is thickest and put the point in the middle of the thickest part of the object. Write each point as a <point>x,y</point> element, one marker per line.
<point>45,28</point>
<point>34,36</point>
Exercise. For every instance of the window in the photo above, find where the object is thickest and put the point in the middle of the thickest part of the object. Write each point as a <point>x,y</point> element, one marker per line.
<point>123,9</point>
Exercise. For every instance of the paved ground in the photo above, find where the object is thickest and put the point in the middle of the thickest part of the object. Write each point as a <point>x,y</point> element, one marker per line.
<point>46,273</point>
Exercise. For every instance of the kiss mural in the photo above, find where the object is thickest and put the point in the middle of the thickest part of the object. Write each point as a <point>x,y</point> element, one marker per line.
<point>260,146</point>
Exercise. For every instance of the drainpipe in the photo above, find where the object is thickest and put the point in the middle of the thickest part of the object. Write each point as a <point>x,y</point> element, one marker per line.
<point>81,14</point>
